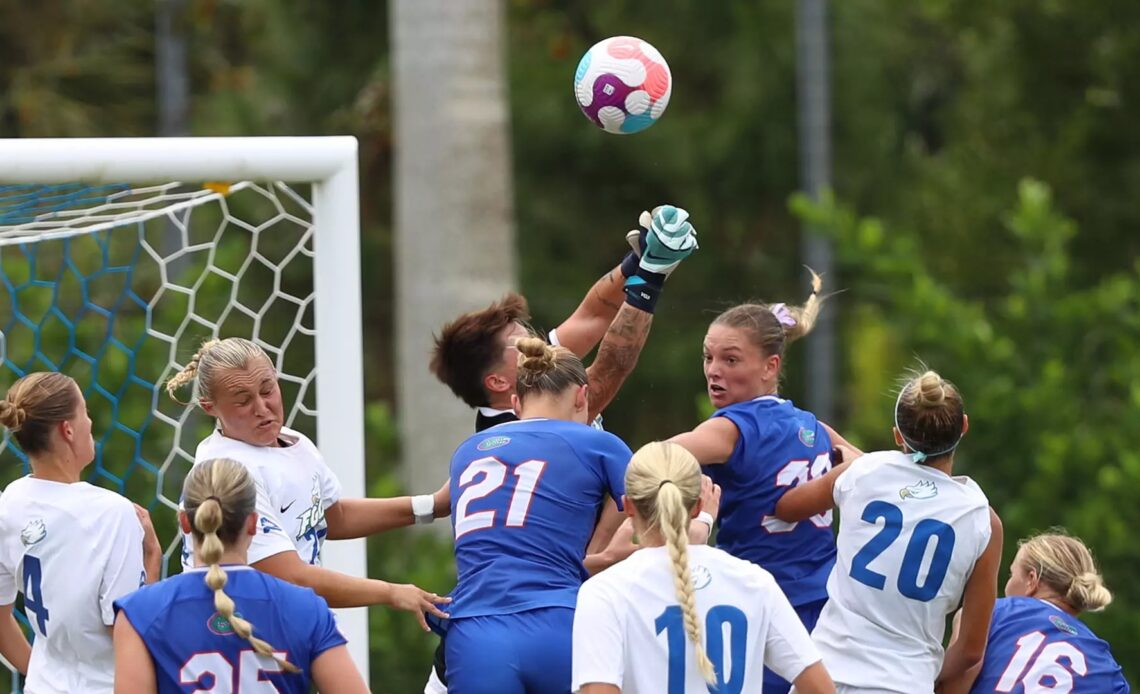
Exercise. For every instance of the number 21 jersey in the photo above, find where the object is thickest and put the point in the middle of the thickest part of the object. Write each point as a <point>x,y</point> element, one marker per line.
<point>909,536</point>
<point>525,497</point>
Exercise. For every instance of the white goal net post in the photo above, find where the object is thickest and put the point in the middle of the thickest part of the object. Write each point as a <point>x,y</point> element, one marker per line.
<point>119,256</point>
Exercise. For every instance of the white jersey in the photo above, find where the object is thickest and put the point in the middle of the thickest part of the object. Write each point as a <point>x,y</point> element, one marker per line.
<point>629,631</point>
<point>72,550</point>
<point>294,489</point>
<point>909,536</point>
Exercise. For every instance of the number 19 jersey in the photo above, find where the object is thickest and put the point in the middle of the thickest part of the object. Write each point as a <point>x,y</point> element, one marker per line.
<point>909,537</point>
<point>525,497</point>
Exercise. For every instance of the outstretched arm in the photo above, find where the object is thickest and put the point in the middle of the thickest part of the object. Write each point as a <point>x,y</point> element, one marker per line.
<point>581,332</point>
<point>712,442</point>
<point>617,356</point>
<point>342,590</point>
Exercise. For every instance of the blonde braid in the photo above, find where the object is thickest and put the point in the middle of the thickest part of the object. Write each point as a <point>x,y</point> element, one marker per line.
<point>188,372</point>
<point>207,518</point>
<point>674,526</point>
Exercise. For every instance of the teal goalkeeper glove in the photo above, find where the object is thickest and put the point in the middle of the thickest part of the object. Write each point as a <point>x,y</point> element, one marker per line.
<point>670,239</point>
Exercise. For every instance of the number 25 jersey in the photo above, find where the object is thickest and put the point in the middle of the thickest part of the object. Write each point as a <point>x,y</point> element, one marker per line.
<point>909,536</point>
<point>525,497</point>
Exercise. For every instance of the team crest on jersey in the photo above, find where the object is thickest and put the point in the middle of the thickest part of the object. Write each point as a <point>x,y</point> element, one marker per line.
<point>1061,624</point>
<point>493,442</point>
<point>33,532</point>
<point>314,515</point>
<point>218,624</point>
<point>807,437</point>
<point>701,576</point>
<point>925,489</point>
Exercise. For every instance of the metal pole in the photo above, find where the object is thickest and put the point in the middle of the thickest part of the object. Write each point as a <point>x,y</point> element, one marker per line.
<point>814,120</point>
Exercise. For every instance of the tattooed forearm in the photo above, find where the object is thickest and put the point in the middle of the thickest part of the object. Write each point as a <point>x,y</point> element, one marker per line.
<point>617,355</point>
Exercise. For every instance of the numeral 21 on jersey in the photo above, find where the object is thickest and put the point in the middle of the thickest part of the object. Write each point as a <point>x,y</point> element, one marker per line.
<point>672,622</point>
<point>927,529</point>
<point>492,475</point>
<point>33,595</point>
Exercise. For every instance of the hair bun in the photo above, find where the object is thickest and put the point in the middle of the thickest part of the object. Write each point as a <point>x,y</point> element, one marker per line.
<point>535,356</point>
<point>12,416</point>
<point>931,390</point>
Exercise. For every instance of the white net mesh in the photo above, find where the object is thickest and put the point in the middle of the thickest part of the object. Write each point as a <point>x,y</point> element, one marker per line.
<point>118,287</point>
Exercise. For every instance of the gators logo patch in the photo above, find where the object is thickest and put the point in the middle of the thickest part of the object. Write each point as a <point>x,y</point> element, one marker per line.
<point>493,442</point>
<point>807,437</point>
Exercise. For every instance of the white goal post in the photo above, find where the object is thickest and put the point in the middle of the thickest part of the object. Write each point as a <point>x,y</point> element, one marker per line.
<point>329,165</point>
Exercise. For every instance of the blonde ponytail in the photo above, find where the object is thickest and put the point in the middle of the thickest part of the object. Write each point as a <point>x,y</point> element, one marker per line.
<point>771,327</point>
<point>219,495</point>
<point>663,481</point>
<point>674,524</point>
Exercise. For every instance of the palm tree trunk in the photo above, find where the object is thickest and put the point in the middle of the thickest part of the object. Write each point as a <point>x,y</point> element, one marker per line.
<point>453,205</point>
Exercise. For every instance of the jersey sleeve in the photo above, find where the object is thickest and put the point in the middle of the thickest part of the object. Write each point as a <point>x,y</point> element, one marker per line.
<point>325,634</point>
<point>598,653</point>
<point>613,456</point>
<point>788,649</point>
<point>123,571</point>
<point>330,485</point>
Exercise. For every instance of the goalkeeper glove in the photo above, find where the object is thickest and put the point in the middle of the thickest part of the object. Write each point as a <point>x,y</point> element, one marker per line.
<point>669,239</point>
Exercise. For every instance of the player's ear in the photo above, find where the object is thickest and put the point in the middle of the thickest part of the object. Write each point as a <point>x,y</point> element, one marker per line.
<point>697,507</point>
<point>965,423</point>
<point>184,522</point>
<point>67,431</point>
<point>582,398</point>
<point>516,404</point>
<point>898,437</point>
<point>496,383</point>
<point>251,524</point>
<point>208,407</point>
<point>771,367</point>
<point>626,505</point>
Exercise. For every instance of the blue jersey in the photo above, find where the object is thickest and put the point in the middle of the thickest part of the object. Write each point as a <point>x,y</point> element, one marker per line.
<point>193,646</point>
<point>1035,647</point>
<point>779,447</point>
<point>525,498</point>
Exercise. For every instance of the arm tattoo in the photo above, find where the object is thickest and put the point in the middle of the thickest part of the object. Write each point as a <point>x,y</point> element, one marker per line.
<point>617,355</point>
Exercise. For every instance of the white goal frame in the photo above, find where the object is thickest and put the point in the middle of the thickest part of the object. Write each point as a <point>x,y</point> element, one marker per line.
<point>329,164</point>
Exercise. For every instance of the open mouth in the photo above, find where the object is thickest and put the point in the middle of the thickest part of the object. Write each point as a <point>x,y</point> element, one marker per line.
<point>716,390</point>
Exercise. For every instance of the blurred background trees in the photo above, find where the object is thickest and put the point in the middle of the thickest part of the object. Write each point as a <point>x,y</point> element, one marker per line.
<point>985,159</point>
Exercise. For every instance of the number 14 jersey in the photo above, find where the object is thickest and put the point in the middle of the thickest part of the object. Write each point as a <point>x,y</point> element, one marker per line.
<point>909,536</point>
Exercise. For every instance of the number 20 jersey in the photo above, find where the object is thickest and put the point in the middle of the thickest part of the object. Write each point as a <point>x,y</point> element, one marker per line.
<point>909,536</point>
<point>525,497</point>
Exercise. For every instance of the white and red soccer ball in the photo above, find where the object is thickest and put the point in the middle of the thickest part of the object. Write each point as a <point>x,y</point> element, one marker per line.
<point>623,85</point>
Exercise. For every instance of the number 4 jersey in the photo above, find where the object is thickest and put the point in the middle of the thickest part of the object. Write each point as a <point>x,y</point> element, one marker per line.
<point>909,536</point>
<point>72,550</point>
<point>195,649</point>
<point>525,498</point>
<point>629,630</point>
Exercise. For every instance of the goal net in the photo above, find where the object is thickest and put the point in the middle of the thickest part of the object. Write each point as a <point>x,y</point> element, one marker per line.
<point>120,258</point>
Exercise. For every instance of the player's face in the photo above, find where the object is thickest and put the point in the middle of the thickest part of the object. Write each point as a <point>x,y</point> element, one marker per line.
<point>735,368</point>
<point>83,443</point>
<point>247,402</point>
<point>509,369</point>
<point>1021,581</point>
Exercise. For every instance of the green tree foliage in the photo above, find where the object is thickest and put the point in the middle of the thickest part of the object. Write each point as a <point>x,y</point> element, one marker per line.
<point>1048,369</point>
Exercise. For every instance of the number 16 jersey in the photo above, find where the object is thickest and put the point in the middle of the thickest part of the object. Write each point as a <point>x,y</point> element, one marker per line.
<point>909,536</point>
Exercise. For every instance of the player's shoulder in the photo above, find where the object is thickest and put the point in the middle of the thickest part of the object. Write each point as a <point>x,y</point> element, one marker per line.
<point>731,569</point>
<point>150,602</point>
<point>869,466</point>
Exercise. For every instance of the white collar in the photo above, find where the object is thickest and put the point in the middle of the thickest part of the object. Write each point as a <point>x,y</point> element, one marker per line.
<point>492,412</point>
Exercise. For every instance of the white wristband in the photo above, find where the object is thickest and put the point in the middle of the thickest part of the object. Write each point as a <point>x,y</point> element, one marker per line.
<point>706,518</point>
<point>423,508</point>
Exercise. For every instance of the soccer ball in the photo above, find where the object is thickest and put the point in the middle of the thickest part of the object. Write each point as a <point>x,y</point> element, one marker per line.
<point>623,85</point>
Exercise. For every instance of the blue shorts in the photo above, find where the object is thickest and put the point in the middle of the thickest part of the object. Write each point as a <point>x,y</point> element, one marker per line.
<point>522,653</point>
<point>809,615</point>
